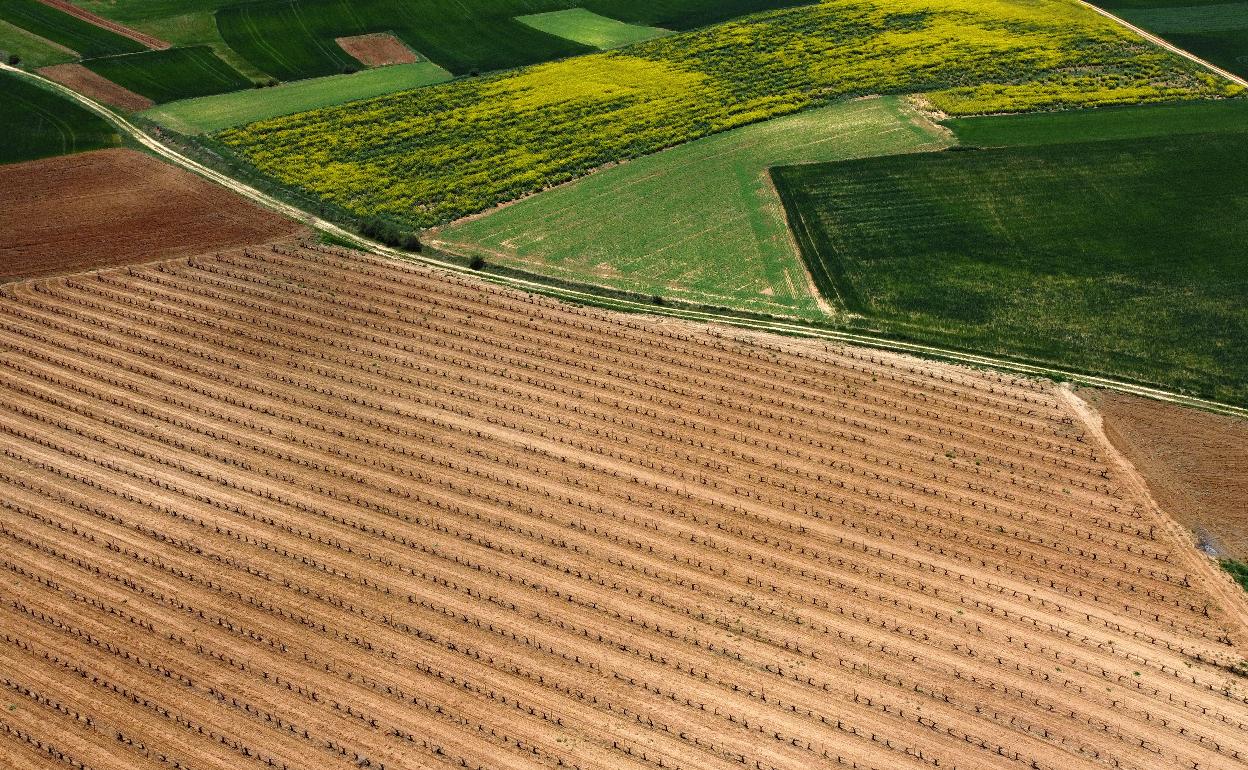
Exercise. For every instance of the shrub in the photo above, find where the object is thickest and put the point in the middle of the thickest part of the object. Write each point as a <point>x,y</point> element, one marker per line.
<point>390,233</point>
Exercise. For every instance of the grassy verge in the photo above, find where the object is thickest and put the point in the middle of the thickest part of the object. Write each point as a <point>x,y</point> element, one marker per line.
<point>1116,257</point>
<point>1238,570</point>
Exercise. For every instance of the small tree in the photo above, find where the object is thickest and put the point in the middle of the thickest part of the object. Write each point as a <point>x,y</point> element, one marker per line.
<point>477,263</point>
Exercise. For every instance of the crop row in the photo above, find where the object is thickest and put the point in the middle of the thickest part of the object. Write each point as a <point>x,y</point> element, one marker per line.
<point>458,526</point>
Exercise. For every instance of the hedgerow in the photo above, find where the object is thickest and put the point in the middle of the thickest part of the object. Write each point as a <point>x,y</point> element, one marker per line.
<point>440,153</point>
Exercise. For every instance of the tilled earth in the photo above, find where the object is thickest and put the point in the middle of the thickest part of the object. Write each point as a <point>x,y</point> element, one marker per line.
<point>1196,464</point>
<point>113,207</point>
<point>293,507</point>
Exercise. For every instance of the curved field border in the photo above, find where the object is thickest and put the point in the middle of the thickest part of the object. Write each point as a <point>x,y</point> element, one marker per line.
<point>592,298</point>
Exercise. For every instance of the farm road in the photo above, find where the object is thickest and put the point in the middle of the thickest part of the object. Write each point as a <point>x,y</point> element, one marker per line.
<point>590,298</point>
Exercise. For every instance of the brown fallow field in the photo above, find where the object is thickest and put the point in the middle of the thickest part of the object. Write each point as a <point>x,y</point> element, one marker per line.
<point>117,207</point>
<point>290,507</point>
<point>1196,464</point>
<point>379,49</point>
<point>96,86</point>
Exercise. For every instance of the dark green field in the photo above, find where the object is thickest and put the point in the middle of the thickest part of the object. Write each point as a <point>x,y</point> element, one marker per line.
<point>45,21</point>
<point>1105,123</point>
<point>1214,30</point>
<point>37,123</point>
<point>293,39</point>
<point>176,73</point>
<point>1117,257</point>
<point>1226,48</point>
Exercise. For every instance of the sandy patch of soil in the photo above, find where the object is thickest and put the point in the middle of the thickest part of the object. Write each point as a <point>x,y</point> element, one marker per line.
<point>113,207</point>
<point>97,87</point>
<point>378,50</point>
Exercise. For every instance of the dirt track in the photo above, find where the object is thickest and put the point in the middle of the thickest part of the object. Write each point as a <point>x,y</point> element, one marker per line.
<point>297,508</point>
<point>117,207</point>
<point>150,41</point>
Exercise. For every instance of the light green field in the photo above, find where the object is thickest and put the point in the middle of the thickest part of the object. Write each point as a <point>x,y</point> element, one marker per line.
<point>214,113</point>
<point>588,28</point>
<point>34,51</point>
<point>700,222</point>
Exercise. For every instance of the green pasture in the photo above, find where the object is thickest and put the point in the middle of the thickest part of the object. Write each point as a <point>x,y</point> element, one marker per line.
<point>1107,123</point>
<point>180,22</point>
<point>700,222</point>
<point>63,29</point>
<point>37,123</point>
<point>433,155</point>
<point>32,50</point>
<point>588,28</point>
<point>1118,257</point>
<point>175,73</point>
<point>214,113</point>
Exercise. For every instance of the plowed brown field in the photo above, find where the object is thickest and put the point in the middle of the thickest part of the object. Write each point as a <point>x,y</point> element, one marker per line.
<point>295,508</point>
<point>96,86</point>
<point>377,50</point>
<point>1196,464</point>
<point>113,207</point>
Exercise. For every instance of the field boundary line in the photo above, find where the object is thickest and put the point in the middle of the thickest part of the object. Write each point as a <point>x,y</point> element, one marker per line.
<point>151,41</point>
<point>791,328</point>
<point>1171,47</point>
<point>1217,583</point>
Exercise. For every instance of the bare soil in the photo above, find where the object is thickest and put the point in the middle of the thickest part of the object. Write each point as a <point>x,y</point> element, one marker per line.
<point>113,207</point>
<point>1195,464</point>
<point>378,50</point>
<point>150,41</point>
<point>96,86</point>
<point>317,509</point>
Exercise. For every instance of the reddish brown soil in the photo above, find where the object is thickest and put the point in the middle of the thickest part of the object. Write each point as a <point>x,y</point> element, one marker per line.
<point>96,86</point>
<point>108,24</point>
<point>295,507</point>
<point>1195,463</point>
<point>378,50</point>
<point>113,207</point>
